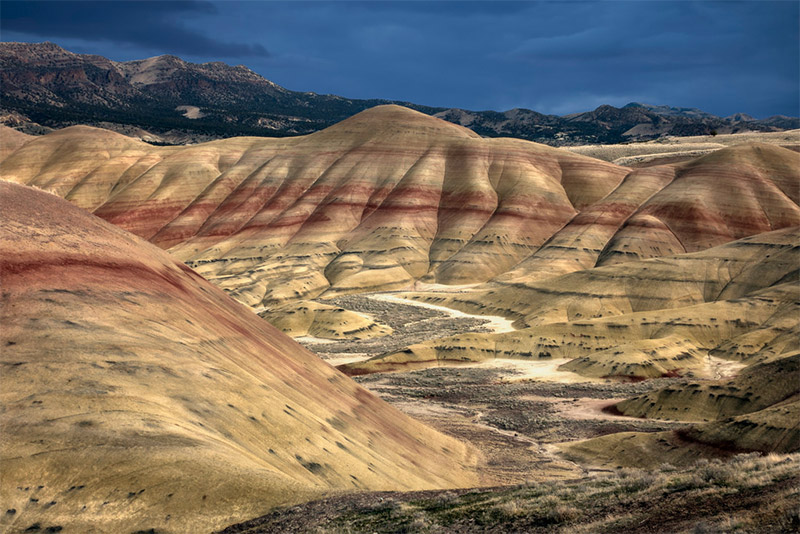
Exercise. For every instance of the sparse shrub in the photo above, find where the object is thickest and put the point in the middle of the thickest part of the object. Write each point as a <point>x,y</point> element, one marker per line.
<point>343,529</point>
<point>667,468</point>
<point>446,497</point>
<point>419,523</point>
<point>703,528</point>
<point>511,509</point>
<point>563,513</point>
<point>637,483</point>
<point>685,482</point>
<point>717,473</point>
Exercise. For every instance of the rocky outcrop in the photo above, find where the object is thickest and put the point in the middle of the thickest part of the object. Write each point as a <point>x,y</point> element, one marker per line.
<point>60,88</point>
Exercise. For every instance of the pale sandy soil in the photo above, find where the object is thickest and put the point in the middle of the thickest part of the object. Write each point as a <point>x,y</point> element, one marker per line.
<point>423,286</point>
<point>191,112</point>
<point>584,408</point>
<point>354,357</point>
<point>494,323</point>
<point>688,147</point>
<point>587,408</point>
<point>719,369</point>
<point>311,340</point>
<point>516,370</point>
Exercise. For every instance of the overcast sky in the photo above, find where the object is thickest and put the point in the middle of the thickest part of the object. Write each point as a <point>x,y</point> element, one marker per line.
<point>553,57</point>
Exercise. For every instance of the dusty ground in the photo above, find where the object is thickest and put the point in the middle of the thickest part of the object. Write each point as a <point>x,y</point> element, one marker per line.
<point>513,422</point>
<point>510,410</point>
<point>411,322</point>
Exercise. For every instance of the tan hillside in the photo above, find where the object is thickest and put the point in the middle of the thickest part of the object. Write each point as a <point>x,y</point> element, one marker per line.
<point>755,388</point>
<point>642,319</point>
<point>138,396</point>
<point>725,272</point>
<point>680,149</point>
<point>309,318</point>
<point>578,245</point>
<point>11,140</point>
<point>727,195</point>
<point>771,430</point>
<point>377,201</point>
<point>391,196</point>
<point>756,411</point>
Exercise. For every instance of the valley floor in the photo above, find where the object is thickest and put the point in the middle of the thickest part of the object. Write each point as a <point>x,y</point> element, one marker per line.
<point>514,412</point>
<point>515,424</point>
<point>411,322</point>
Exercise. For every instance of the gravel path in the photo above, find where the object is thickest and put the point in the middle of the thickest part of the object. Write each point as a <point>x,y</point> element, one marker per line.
<point>495,323</point>
<point>412,322</point>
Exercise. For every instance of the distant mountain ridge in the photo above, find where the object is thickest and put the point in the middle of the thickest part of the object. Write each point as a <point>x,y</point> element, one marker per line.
<point>176,101</point>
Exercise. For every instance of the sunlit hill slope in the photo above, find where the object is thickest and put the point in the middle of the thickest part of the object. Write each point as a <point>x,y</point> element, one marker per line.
<point>137,395</point>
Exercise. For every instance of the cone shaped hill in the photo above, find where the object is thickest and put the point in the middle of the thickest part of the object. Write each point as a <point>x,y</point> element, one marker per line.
<point>137,395</point>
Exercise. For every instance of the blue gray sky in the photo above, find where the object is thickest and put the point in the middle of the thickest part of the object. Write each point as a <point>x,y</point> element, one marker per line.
<point>554,57</point>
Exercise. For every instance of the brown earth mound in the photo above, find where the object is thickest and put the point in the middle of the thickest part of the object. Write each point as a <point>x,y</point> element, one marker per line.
<point>392,196</point>
<point>138,396</point>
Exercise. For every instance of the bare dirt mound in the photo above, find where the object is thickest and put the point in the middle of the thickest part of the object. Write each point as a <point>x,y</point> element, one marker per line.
<point>376,202</point>
<point>673,316</point>
<point>138,396</point>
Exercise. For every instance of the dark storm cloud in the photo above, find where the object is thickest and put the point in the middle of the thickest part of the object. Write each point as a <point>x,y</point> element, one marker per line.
<point>151,25</point>
<point>719,56</point>
<point>554,57</point>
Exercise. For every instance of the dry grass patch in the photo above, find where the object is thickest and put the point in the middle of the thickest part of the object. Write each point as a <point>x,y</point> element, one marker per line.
<point>746,494</point>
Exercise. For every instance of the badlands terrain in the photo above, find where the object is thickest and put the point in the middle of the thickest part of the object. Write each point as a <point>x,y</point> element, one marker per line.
<point>137,395</point>
<point>617,322</point>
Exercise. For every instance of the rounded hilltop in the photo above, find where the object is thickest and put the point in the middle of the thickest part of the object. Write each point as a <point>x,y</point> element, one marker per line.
<point>138,395</point>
